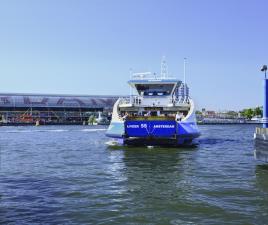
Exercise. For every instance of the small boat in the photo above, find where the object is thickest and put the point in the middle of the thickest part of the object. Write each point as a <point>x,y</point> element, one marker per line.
<point>160,113</point>
<point>101,120</point>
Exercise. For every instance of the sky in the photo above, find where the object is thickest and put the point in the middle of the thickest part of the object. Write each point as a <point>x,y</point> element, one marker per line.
<point>88,47</point>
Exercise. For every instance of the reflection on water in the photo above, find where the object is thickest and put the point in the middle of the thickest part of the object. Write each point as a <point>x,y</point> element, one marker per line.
<point>262,178</point>
<point>261,150</point>
<point>156,181</point>
<point>71,177</point>
<point>262,186</point>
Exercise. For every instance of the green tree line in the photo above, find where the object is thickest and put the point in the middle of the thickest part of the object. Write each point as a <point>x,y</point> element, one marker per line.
<point>251,112</point>
<point>247,113</point>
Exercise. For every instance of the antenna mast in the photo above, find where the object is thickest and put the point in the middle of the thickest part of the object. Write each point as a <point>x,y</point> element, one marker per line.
<point>184,71</point>
<point>130,88</point>
<point>164,68</point>
<point>184,78</point>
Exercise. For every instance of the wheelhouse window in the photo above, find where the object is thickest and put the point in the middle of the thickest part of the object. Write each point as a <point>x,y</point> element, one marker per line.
<point>154,89</point>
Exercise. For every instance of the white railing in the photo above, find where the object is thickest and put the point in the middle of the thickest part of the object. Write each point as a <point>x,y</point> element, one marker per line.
<point>138,101</point>
<point>125,100</point>
<point>183,100</point>
<point>148,76</point>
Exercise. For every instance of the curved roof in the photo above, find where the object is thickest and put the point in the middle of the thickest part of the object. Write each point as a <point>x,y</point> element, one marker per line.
<point>56,101</point>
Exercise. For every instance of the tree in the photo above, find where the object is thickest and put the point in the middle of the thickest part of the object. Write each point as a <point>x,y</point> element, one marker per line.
<point>258,111</point>
<point>248,113</point>
<point>232,114</point>
<point>91,120</point>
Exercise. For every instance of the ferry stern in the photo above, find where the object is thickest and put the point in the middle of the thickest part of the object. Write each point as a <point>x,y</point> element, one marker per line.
<point>158,113</point>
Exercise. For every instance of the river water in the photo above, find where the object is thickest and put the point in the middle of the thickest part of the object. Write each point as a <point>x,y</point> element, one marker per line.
<point>67,175</point>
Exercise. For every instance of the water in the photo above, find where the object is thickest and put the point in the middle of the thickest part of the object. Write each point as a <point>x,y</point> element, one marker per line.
<point>67,175</point>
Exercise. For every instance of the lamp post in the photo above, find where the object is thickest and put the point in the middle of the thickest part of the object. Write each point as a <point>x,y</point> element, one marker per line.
<point>265,102</point>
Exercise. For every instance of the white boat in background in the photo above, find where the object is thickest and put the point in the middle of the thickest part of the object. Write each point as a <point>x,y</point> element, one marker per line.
<point>160,113</point>
<point>256,119</point>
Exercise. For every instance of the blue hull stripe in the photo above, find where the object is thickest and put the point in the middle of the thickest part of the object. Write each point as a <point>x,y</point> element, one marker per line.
<point>153,129</point>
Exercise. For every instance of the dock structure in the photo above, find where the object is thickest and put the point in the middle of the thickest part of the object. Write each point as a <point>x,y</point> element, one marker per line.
<point>32,109</point>
<point>261,144</point>
<point>261,133</point>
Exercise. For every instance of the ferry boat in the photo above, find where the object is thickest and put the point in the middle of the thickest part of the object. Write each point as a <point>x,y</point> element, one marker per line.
<point>160,113</point>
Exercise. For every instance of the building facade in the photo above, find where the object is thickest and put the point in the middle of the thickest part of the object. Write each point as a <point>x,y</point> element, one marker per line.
<point>52,109</point>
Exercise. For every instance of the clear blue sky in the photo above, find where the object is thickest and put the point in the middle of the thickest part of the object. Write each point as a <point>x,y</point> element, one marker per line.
<point>87,47</point>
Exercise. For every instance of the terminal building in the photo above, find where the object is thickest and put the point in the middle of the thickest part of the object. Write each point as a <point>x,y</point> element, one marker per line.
<point>52,109</point>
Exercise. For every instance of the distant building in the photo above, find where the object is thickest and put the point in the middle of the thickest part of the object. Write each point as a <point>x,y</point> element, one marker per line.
<point>203,111</point>
<point>210,114</point>
<point>28,108</point>
<point>220,117</point>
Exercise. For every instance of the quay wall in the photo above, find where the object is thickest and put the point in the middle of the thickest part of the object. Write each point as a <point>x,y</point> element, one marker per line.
<point>261,144</point>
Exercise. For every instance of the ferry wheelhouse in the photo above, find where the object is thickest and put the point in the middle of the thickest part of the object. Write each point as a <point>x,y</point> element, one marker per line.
<point>159,113</point>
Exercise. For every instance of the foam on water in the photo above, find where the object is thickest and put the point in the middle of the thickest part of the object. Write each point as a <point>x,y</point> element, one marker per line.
<point>93,130</point>
<point>31,131</point>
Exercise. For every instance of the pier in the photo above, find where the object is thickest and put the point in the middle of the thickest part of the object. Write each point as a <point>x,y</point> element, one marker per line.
<point>261,133</point>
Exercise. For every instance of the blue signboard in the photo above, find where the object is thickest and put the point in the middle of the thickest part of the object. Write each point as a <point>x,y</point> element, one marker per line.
<point>146,128</point>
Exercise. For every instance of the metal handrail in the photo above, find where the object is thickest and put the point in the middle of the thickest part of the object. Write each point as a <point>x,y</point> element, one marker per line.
<point>137,100</point>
